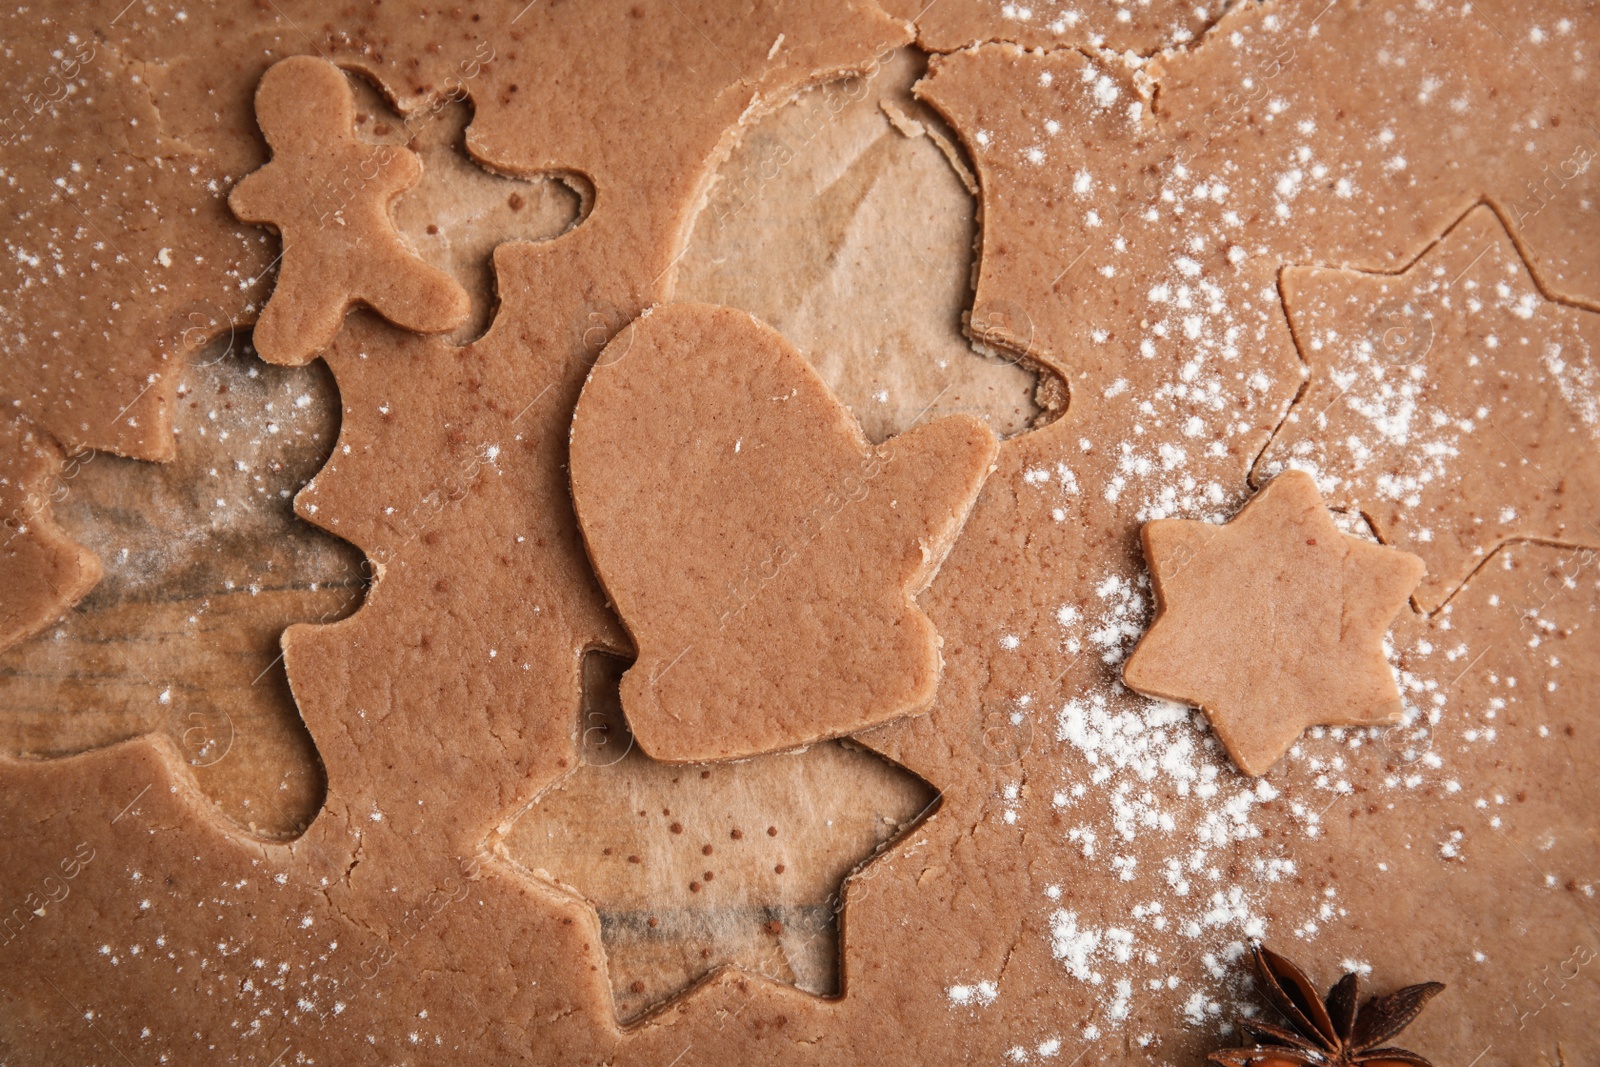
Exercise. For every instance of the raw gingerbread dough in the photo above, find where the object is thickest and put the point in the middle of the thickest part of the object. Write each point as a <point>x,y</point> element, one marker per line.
<point>764,556</point>
<point>1454,404</point>
<point>42,572</point>
<point>449,701</point>
<point>1273,622</point>
<point>330,196</point>
<point>1143,27</point>
<point>1017,922</point>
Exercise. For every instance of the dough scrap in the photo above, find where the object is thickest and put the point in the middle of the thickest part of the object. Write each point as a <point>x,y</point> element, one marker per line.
<point>1273,622</point>
<point>763,555</point>
<point>1454,404</point>
<point>330,196</point>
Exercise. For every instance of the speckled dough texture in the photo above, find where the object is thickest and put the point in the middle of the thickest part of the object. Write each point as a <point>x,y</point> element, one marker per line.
<point>1217,237</point>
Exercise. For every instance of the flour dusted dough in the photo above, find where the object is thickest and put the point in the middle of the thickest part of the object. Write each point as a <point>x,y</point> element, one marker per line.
<point>1083,895</point>
<point>1453,403</point>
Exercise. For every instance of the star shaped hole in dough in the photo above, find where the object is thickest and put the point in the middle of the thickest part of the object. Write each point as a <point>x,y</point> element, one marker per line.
<point>1273,622</point>
<point>1452,403</point>
<point>693,867</point>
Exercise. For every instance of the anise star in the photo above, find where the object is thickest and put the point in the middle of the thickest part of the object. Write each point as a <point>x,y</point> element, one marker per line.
<point>1334,1033</point>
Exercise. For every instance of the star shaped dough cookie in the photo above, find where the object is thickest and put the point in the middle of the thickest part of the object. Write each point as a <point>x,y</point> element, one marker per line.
<point>329,195</point>
<point>1273,622</point>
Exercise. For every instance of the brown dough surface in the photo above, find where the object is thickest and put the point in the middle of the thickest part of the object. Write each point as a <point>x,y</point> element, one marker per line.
<point>1272,623</point>
<point>762,554</point>
<point>471,543</point>
<point>340,247</point>
<point>1141,26</point>
<point>1009,926</point>
<point>1454,404</point>
<point>41,570</point>
<point>122,253</point>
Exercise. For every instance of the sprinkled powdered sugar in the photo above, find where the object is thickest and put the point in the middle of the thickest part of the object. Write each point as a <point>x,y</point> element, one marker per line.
<point>1158,804</point>
<point>1144,793</point>
<point>981,994</point>
<point>1412,447</point>
<point>1180,815</point>
<point>1578,382</point>
<point>1414,435</point>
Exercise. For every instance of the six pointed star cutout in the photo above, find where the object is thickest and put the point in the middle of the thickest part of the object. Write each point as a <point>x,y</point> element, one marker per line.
<point>1273,622</point>
<point>764,556</point>
<point>1452,403</point>
<point>692,868</point>
<point>329,196</point>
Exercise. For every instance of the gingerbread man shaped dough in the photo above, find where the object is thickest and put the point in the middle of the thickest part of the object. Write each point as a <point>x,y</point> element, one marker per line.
<point>329,194</point>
